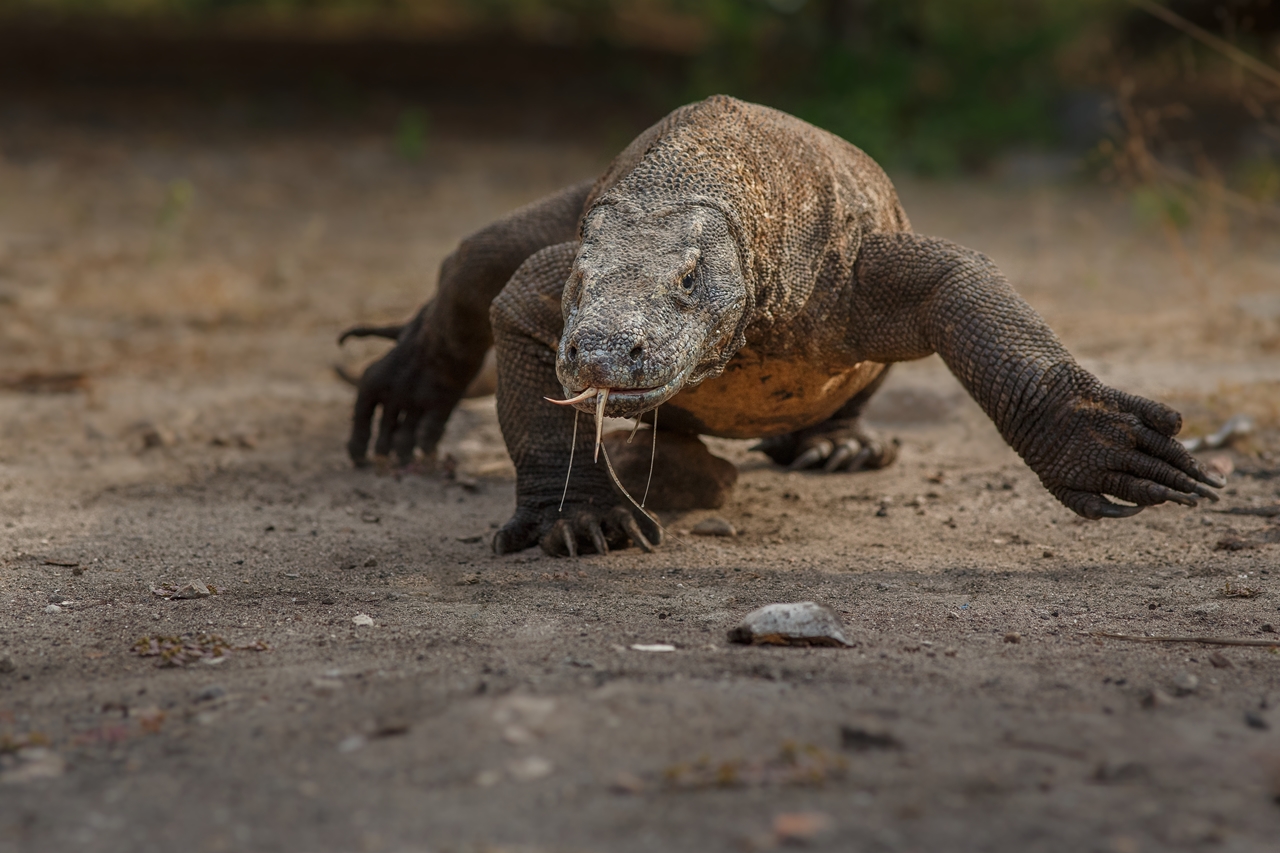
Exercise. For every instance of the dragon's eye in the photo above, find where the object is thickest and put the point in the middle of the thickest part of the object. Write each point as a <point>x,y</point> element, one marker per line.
<point>688,282</point>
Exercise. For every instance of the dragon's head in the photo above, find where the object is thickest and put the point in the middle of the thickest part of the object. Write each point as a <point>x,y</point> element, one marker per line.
<point>653,304</point>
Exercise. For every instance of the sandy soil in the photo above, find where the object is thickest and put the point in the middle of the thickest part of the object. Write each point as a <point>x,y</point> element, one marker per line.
<point>197,277</point>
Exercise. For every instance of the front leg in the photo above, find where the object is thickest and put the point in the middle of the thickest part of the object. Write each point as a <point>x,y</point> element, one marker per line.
<point>437,353</point>
<point>586,513</point>
<point>913,296</point>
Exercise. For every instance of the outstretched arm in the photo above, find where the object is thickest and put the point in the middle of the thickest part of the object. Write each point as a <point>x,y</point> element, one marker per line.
<point>914,296</point>
<point>438,352</point>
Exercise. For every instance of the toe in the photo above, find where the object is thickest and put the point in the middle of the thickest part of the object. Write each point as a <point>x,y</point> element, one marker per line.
<point>621,520</point>
<point>818,451</point>
<point>841,456</point>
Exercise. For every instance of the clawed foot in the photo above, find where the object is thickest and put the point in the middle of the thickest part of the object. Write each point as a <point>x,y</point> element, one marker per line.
<point>578,530</point>
<point>412,387</point>
<point>831,446</point>
<point>1103,442</point>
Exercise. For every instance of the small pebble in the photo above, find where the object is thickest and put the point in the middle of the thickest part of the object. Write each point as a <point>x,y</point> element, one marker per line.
<point>714,526</point>
<point>363,620</point>
<point>801,828</point>
<point>351,744</point>
<point>1156,698</point>
<point>1255,721</point>
<point>53,608</point>
<point>7,665</point>
<point>213,691</point>
<point>1220,661</point>
<point>1269,628</point>
<point>864,738</point>
<point>192,589</point>
<point>627,783</point>
<point>1013,637</point>
<point>530,768</point>
<point>1184,684</point>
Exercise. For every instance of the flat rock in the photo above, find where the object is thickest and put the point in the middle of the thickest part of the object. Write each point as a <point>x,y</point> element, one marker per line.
<point>803,623</point>
<point>714,526</point>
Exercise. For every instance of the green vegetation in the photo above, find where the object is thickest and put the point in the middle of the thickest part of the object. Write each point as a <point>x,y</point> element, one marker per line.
<point>412,133</point>
<point>933,86</point>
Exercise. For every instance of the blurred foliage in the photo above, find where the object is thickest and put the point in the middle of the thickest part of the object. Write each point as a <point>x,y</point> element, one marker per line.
<point>929,85</point>
<point>1156,204</point>
<point>933,85</point>
<point>1259,178</point>
<point>412,133</point>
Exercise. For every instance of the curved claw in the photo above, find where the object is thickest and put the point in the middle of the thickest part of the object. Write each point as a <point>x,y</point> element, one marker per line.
<point>1182,498</point>
<point>570,540</point>
<point>863,457</point>
<point>391,333</point>
<point>1213,478</point>
<point>1208,493</point>
<point>820,450</point>
<point>841,455</point>
<point>597,537</point>
<point>637,535</point>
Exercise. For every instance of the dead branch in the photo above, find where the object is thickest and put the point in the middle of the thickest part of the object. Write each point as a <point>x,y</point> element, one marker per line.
<point>1204,641</point>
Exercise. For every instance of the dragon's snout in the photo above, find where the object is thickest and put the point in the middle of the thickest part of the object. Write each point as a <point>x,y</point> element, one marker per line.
<point>617,360</point>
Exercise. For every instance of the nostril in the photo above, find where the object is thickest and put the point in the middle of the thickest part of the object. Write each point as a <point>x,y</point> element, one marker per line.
<point>636,351</point>
<point>572,352</point>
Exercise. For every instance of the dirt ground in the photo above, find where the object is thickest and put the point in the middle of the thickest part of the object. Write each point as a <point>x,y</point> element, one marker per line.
<point>189,275</point>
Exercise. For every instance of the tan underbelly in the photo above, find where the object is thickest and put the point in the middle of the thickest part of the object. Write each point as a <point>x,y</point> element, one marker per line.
<point>757,397</point>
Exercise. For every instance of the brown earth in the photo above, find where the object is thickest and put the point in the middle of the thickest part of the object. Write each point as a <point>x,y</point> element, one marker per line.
<point>169,298</point>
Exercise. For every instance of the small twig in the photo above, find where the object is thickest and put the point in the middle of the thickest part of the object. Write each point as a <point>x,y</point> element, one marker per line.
<point>1051,748</point>
<point>653,454</point>
<point>572,444</point>
<point>63,563</point>
<point>1203,36</point>
<point>1204,641</point>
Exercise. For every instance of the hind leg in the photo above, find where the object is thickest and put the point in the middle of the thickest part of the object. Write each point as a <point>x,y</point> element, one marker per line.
<point>840,443</point>
<point>686,475</point>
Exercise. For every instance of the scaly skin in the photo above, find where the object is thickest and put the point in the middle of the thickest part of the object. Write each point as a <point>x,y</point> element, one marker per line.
<point>752,275</point>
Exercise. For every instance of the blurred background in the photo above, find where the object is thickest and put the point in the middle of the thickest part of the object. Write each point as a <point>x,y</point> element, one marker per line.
<point>197,195</point>
<point>931,86</point>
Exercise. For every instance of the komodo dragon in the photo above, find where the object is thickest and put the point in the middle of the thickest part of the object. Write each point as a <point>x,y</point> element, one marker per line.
<point>754,276</point>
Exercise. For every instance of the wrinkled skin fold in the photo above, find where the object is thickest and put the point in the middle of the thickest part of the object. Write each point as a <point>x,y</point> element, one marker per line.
<point>753,275</point>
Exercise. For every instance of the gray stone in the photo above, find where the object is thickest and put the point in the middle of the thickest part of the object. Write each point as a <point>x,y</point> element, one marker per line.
<point>714,526</point>
<point>802,623</point>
